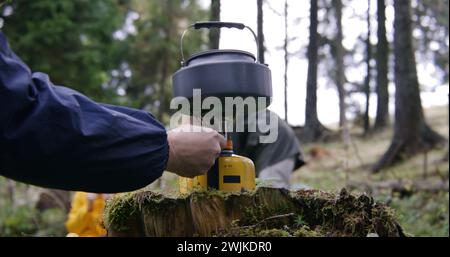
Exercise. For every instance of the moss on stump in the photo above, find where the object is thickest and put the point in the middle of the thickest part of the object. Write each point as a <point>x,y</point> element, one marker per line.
<point>264,212</point>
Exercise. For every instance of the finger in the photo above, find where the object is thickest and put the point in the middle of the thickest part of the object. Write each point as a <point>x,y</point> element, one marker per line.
<point>217,154</point>
<point>203,129</point>
<point>207,164</point>
<point>222,141</point>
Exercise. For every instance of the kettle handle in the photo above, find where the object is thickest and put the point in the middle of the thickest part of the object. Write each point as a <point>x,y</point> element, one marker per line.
<point>218,25</point>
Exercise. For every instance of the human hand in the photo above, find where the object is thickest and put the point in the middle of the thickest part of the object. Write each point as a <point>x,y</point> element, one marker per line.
<point>193,150</point>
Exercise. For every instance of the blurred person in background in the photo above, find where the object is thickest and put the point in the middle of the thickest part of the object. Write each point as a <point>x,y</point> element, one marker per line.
<point>85,218</point>
<point>274,162</point>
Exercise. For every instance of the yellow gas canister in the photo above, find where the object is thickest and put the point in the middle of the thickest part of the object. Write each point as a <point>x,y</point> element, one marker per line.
<point>230,173</point>
<point>236,173</point>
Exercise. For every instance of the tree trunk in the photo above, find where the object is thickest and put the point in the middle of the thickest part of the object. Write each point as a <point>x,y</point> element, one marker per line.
<point>382,60</point>
<point>264,212</point>
<point>163,84</point>
<point>165,63</point>
<point>260,22</point>
<point>340,75</point>
<point>54,198</point>
<point>313,128</point>
<point>446,155</point>
<point>11,188</point>
<point>411,133</point>
<point>214,34</point>
<point>286,60</point>
<point>368,75</point>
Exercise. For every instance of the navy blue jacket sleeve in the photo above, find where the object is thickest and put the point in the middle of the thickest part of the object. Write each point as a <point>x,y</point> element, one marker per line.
<point>55,137</point>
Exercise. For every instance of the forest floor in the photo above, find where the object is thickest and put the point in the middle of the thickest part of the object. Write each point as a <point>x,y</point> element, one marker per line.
<point>419,195</point>
<point>420,202</point>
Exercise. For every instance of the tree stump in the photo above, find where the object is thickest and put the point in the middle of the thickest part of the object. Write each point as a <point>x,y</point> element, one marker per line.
<point>264,212</point>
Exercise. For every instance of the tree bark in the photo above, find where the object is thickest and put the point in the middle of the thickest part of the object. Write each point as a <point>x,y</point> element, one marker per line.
<point>286,60</point>
<point>368,75</point>
<point>214,34</point>
<point>382,62</point>
<point>313,127</point>
<point>411,133</point>
<point>260,24</point>
<point>340,80</point>
<point>54,198</point>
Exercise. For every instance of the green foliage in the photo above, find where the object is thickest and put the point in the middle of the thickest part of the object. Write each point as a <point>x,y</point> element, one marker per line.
<point>424,214</point>
<point>154,52</point>
<point>72,41</point>
<point>24,220</point>
<point>4,2</point>
<point>299,221</point>
<point>430,19</point>
<point>52,223</point>
<point>17,221</point>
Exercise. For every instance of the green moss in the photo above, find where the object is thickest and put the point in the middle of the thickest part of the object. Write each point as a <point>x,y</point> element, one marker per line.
<point>305,231</point>
<point>199,196</point>
<point>155,202</point>
<point>253,231</point>
<point>423,214</point>
<point>269,212</point>
<point>273,233</point>
<point>253,214</point>
<point>384,221</point>
<point>118,210</point>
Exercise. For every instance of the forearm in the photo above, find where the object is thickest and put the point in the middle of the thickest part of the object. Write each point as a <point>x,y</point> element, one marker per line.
<point>55,137</point>
<point>74,144</point>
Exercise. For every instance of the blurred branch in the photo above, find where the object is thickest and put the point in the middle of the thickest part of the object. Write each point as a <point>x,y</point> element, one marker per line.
<point>404,187</point>
<point>270,218</point>
<point>272,9</point>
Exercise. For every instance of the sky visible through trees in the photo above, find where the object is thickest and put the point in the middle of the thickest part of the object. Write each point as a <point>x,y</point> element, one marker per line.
<point>121,55</point>
<point>354,13</point>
